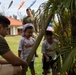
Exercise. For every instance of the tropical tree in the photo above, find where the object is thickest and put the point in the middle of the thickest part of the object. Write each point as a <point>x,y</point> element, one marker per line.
<point>65,28</point>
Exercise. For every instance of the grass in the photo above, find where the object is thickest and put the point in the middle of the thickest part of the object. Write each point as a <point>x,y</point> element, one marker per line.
<point>13,43</point>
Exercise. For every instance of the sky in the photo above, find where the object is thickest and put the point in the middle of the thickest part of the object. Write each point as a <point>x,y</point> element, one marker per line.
<point>16,3</point>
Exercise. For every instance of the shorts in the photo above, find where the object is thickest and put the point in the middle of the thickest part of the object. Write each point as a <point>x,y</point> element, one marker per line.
<point>6,69</point>
<point>48,64</point>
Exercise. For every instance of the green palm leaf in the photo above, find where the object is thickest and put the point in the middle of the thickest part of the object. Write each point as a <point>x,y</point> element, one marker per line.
<point>68,62</point>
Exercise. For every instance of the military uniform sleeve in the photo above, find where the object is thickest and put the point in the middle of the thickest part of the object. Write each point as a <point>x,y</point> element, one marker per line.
<point>3,46</point>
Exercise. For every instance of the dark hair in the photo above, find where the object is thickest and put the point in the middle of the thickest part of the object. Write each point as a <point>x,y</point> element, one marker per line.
<point>4,21</point>
<point>28,9</point>
<point>30,27</point>
<point>49,33</point>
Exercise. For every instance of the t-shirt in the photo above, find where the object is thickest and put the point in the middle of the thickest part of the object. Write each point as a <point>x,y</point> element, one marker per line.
<point>25,47</point>
<point>47,48</point>
<point>27,19</point>
<point>3,46</point>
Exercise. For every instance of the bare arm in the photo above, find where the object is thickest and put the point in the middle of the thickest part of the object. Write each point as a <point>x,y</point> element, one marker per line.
<point>13,59</point>
<point>47,58</point>
<point>30,14</point>
<point>36,25</point>
<point>2,61</point>
<point>45,55</point>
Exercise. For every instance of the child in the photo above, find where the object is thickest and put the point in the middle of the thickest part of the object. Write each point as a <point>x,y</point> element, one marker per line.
<point>49,58</point>
<point>26,43</point>
<point>31,19</point>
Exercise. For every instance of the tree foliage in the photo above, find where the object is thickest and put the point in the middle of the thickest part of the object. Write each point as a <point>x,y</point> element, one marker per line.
<point>65,28</point>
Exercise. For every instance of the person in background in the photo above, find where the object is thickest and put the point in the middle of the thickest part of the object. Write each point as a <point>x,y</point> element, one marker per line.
<point>49,57</point>
<point>25,45</point>
<point>31,19</point>
<point>10,65</point>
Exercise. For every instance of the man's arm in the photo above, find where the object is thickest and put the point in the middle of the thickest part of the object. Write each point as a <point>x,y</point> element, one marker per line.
<point>29,12</point>
<point>2,61</point>
<point>13,59</point>
<point>36,25</point>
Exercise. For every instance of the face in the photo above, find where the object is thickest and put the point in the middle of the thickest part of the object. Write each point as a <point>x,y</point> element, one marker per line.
<point>28,33</point>
<point>3,30</point>
<point>28,12</point>
<point>49,38</point>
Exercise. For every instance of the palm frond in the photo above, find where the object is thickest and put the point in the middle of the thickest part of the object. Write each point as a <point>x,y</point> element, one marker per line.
<point>68,62</point>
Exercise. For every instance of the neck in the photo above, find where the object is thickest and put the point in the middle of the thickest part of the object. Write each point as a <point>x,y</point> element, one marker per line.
<point>50,42</point>
<point>27,38</point>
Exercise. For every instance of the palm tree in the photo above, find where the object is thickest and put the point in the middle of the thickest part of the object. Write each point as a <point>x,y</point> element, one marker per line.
<point>65,28</point>
<point>68,6</point>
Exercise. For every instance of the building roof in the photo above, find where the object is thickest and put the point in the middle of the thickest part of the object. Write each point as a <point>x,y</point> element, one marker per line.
<point>14,22</point>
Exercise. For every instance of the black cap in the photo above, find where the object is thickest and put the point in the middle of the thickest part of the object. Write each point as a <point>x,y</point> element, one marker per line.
<point>4,20</point>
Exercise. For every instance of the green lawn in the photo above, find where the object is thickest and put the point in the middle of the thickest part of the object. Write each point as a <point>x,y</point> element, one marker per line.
<point>13,43</point>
